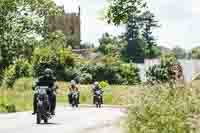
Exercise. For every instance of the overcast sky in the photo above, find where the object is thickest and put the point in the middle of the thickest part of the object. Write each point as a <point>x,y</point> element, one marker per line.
<point>179,20</point>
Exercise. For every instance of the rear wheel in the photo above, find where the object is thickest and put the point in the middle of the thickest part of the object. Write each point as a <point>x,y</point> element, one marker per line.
<point>46,120</point>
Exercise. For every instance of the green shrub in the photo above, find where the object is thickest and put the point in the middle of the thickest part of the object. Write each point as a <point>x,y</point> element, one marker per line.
<point>130,73</point>
<point>9,76</point>
<point>157,73</point>
<point>113,73</point>
<point>162,72</point>
<point>58,61</point>
<point>85,78</point>
<point>21,68</point>
<point>164,110</point>
<point>104,84</point>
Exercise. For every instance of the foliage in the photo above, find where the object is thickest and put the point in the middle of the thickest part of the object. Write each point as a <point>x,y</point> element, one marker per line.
<point>21,22</point>
<point>54,40</point>
<point>168,59</point>
<point>162,72</point>
<point>57,60</point>
<point>140,24</point>
<point>111,45</point>
<point>113,73</point>
<point>164,109</point>
<point>195,53</point>
<point>130,72</point>
<point>179,52</point>
<point>104,84</point>
<point>73,41</point>
<point>85,78</point>
<point>21,68</point>
<point>21,95</point>
<point>119,10</point>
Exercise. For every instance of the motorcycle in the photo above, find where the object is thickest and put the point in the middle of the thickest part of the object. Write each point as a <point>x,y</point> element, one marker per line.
<point>43,105</point>
<point>74,97</point>
<point>98,98</point>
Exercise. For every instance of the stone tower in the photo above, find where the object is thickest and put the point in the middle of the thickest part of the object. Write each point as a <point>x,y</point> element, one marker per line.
<point>70,24</point>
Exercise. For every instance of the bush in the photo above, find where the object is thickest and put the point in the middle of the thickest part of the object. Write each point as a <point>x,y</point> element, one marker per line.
<point>157,73</point>
<point>21,68</point>
<point>104,84</point>
<point>162,72</point>
<point>85,78</point>
<point>113,73</point>
<point>164,110</point>
<point>130,73</point>
<point>58,61</point>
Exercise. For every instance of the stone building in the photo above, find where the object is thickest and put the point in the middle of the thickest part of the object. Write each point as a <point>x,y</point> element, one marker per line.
<point>69,23</point>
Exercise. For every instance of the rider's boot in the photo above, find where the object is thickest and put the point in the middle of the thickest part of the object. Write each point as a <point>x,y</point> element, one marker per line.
<point>53,105</point>
<point>34,104</point>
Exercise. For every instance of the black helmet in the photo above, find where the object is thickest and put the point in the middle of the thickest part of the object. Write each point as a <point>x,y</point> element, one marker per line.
<point>48,72</point>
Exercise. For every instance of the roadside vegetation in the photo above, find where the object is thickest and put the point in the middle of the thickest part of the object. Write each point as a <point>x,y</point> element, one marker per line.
<point>19,98</point>
<point>161,108</point>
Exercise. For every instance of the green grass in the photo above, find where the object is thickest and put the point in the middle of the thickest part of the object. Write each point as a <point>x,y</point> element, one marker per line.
<point>21,95</point>
<point>162,109</point>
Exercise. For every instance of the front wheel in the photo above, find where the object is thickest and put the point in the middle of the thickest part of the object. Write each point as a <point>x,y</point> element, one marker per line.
<point>38,118</point>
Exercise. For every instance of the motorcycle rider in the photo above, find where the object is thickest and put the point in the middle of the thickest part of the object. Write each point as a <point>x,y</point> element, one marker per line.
<point>96,88</point>
<point>46,80</point>
<point>73,88</point>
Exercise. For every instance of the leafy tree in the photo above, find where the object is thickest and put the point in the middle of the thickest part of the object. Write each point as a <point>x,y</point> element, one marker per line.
<point>21,68</point>
<point>112,45</point>
<point>58,61</point>
<point>151,50</point>
<point>140,22</point>
<point>54,40</point>
<point>179,52</point>
<point>195,53</point>
<point>21,22</point>
<point>162,72</point>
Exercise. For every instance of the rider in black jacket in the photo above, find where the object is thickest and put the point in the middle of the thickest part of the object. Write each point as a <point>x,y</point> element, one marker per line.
<point>46,80</point>
<point>96,88</point>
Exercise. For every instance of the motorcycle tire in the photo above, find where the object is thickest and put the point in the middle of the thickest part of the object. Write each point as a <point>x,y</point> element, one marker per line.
<point>38,118</point>
<point>46,120</point>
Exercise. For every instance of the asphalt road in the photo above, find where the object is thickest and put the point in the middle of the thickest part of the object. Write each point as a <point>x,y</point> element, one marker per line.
<point>67,120</point>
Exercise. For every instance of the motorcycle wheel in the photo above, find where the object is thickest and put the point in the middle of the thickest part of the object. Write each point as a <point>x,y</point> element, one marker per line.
<point>38,118</point>
<point>46,120</point>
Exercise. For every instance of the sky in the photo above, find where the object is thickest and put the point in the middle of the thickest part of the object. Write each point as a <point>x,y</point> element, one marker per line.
<point>179,20</point>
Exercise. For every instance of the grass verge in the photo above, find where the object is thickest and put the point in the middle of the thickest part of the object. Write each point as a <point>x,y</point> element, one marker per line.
<point>21,95</point>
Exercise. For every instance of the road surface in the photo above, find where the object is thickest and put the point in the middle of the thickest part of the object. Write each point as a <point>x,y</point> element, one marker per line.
<point>67,120</point>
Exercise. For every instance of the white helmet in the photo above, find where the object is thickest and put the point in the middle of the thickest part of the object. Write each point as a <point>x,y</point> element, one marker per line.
<point>96,83</point>
<point>73,82</point>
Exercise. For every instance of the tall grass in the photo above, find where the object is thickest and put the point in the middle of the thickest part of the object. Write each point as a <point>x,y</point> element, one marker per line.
<point>21,95</point>
<point>163,109</point>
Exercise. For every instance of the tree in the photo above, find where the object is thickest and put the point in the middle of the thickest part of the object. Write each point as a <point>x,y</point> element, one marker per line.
<point>151,49</point>
<point>195,53</point>
<point>140,22</point>
<point>179,52</point>
<point>111,45</point>
<point>21,22</point>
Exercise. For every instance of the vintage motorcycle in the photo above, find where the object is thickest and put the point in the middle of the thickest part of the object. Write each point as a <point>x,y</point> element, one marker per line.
<point>98,98</point>
<point>74,99</point>
<point>43,104</point>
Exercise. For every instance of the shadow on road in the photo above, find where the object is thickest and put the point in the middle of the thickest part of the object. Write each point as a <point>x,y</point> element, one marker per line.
<point>50,123</point>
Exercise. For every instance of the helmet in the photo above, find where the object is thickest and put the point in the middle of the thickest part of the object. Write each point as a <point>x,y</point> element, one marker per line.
<point>73,82</point>
<point>96,83</point>
<point>48,72</point>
